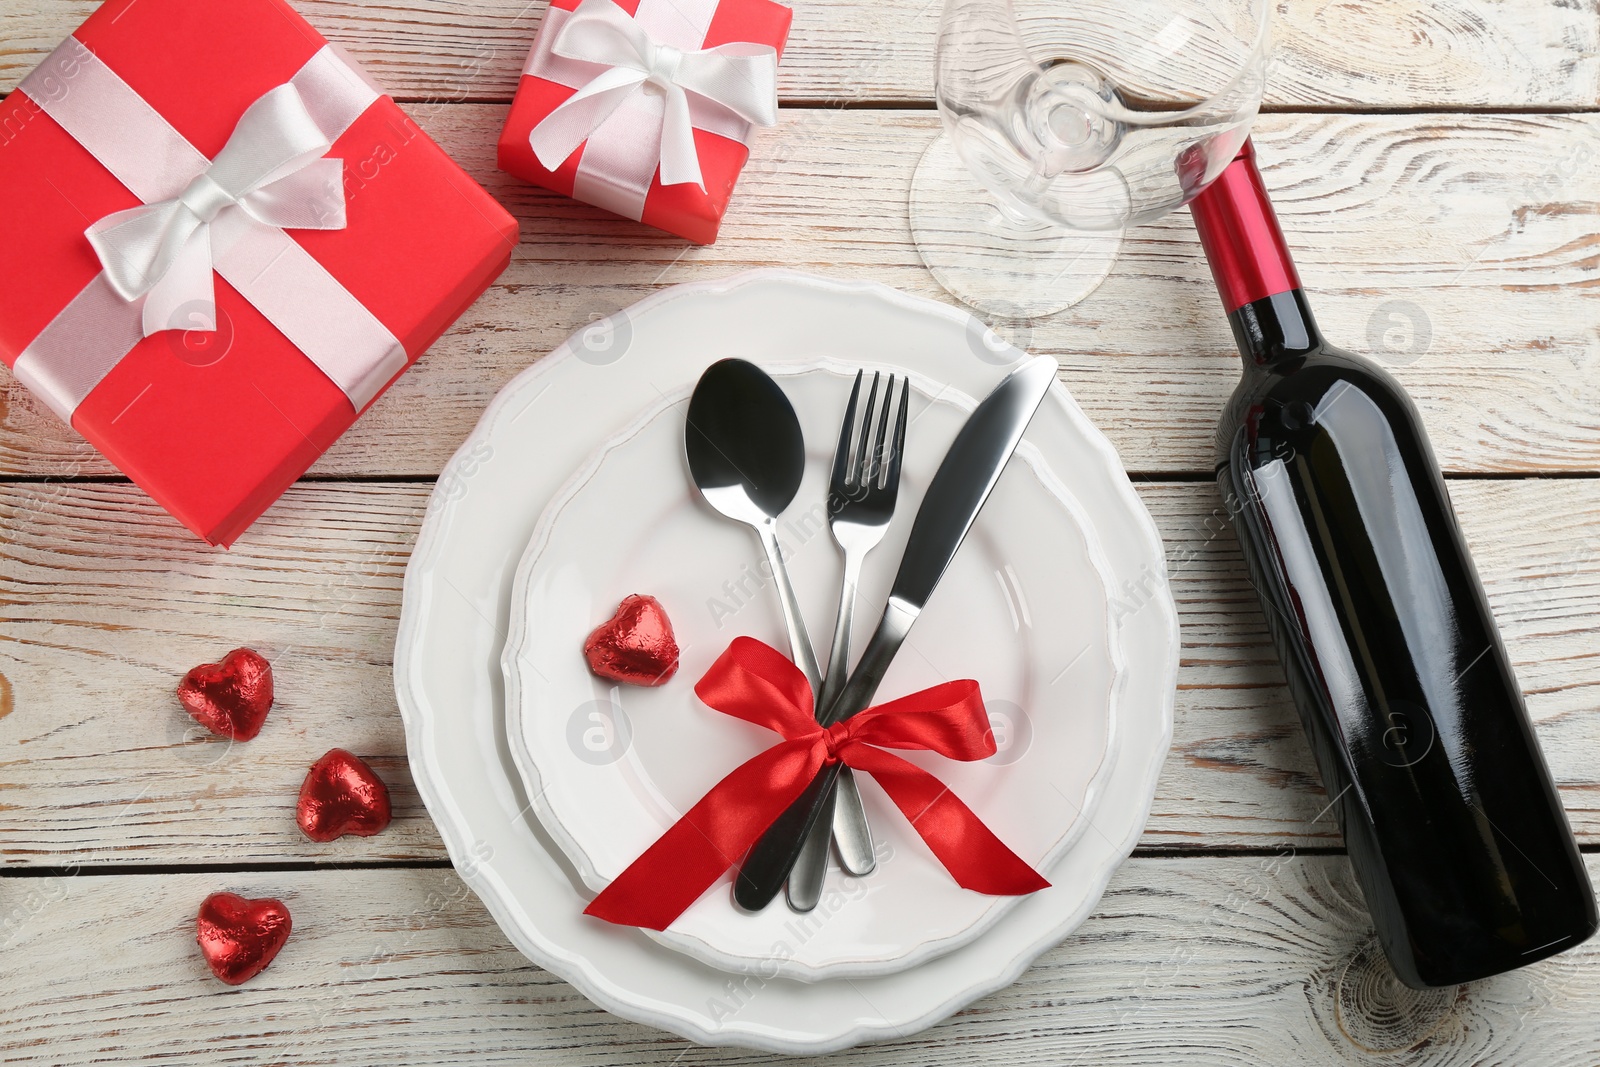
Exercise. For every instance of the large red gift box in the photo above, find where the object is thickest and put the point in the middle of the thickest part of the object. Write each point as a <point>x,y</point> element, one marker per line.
<point>617,175</point>
<point>215,423</point>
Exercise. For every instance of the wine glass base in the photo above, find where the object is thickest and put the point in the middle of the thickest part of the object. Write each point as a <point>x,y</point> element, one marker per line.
<point>988,257</point>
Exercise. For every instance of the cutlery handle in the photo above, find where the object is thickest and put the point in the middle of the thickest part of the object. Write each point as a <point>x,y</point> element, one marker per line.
<point>771,858</point>
<point>849,819</point>
<point>842,821</point>
<point>850,830</point>
<point>804,887</point>
<point>769,861</point>
<point>839,655</point>
<point>868,675</point>
<point>799,641</point>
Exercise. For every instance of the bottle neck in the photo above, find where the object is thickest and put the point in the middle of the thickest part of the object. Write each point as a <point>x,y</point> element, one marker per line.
<point>1250,263</point>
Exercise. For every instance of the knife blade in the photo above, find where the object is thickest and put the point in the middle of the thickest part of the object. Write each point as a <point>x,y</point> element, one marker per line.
<point>954,498</point>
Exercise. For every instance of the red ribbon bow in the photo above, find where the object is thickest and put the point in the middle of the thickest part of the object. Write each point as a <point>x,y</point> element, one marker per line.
<point>755,682</point>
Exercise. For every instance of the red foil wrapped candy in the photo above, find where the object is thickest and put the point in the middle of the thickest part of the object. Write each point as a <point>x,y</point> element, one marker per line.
<point>231,698</point>
<point>635,646</point>
<point>239,936</point>
<point>342,795</point>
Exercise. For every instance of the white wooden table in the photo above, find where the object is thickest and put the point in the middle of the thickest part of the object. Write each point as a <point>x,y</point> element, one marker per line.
<point>1436,164</point>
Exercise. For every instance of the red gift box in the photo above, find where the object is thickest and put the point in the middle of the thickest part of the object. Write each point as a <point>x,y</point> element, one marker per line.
<point>215,423</point>
<point>615,168</point>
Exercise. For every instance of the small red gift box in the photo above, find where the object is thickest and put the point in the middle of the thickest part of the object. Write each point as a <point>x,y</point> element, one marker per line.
<point>222,243</point>
<point>644,107</point>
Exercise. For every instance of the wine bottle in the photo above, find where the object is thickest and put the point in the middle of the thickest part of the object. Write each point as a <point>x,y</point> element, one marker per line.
<point>1451,820</point>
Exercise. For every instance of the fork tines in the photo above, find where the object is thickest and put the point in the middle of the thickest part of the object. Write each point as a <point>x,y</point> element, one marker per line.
<point>866,458</point>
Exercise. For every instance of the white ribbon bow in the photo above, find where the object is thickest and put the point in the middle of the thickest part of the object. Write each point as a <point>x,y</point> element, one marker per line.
<point>741,77</point>
<point>272,169</point>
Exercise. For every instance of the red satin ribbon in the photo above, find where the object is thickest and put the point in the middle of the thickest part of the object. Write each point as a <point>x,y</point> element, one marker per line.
<point>755,682</point>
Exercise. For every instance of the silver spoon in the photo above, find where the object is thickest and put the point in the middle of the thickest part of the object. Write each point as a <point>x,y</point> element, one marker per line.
<point>747,456</point>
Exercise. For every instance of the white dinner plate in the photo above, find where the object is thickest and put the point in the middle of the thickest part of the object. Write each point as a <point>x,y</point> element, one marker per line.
<point>1024,608</point>
<point>448,684</point>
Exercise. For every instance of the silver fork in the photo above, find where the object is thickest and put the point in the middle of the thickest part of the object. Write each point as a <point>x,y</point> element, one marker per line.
<point>861,502</point>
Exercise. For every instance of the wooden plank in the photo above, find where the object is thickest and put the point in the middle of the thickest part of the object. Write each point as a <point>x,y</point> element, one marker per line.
<point>1250,959</point>
<point>1461,249</point>
<point>1380,54</point>
<point>144,604</point>
<point>106,602</point>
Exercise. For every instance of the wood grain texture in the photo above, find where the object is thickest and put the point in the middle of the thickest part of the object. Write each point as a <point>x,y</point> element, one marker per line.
<point>1260,959</point>
<point>1377,54</point>
<point>106,602</point>
<point>1460,249</point>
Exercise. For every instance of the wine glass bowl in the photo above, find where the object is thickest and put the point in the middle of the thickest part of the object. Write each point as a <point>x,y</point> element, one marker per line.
<point>1067,121</point>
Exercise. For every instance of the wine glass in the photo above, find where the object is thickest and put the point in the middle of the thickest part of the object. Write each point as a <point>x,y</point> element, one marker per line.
<point>1067,121</point>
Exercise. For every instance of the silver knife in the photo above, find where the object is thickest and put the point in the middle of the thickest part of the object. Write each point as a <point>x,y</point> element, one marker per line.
<point>957,493</point>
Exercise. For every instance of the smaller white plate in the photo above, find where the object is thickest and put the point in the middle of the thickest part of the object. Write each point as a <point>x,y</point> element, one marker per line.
<point>1024,608</point>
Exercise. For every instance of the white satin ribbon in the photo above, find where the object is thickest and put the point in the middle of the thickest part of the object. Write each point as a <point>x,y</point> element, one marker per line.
<point>272,169</point>
<point>229,211</point>
<point>741,78</point>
